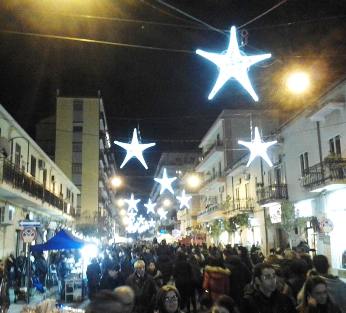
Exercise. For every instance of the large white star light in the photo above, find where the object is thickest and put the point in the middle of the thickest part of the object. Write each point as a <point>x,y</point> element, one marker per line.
<point>233,64</point>
<point>132,204</point>
<point>258,148</point>
<point>165,182</point>
<point>184,200</point>
<point>134,149</point>
<point>162,213</point>
<point>150,206</point>
<point>151,223</point>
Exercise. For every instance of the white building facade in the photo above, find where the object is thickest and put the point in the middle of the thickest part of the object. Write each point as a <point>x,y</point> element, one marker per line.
<point>32,186</point>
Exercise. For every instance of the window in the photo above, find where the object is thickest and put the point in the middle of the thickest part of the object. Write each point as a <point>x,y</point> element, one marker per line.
<point>76,168</point>
<point>237,193</point>
<point>33,166</point>
<point>304,164</point>
<point>220,169</point>
<point>60,193</point>
<point>68,193</point>
<point>247,193</point>
<point>17,156</point>
<point>77,129</point>
<point>77,147</point>
<point>335,146</point>
<point>77,105</point>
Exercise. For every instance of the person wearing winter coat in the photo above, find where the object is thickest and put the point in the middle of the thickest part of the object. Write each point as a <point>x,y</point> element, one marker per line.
<point>4,288</point>
<point>216,279</point>
<point>93,275</point>
<point>315,297</point>
<point>335,286</point>
<point>168,300</point>
<point>182,275</point>
<point>262,295</point>
<point>155,273</point>
<point>239,278</point>
<point>111,278</point>
<point>144,288</point>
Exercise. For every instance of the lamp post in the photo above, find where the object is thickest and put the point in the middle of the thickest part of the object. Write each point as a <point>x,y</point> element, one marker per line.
<point>28,150</point>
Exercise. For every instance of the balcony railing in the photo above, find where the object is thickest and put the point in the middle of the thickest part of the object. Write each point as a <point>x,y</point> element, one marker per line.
<point>220,177</point>
<point>216,144</point>
<point>271,193</point>
<point>20,180</point>
<point>321,174</point>
<point>211,208</point>
<point>247,204</point>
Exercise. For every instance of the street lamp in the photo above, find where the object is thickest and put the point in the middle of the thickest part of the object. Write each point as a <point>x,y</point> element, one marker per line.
<point>116,181</point>
<point>298,82</point>
<point>193,181</point>
<point>120,202</point>
<point>167,203</point>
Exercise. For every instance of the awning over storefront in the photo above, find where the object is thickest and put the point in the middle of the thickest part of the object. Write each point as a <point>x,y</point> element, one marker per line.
<point>63,240</point>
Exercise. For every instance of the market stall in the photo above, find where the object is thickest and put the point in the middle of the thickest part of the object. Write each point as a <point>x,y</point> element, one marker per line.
<point>64,240</point>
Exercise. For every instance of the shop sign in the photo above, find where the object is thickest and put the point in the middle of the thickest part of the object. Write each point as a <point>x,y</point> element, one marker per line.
<point>27,223</point>
<point>275,213</point>
<point>28,235</point>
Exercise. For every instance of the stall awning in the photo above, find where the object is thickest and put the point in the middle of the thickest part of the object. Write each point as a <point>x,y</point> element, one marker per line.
<point>63,240</point>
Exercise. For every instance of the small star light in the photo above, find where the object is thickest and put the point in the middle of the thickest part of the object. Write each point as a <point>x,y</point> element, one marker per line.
<point>162,213</point>
<point>184,200</point>
<point>150,207</point>
<point>134,149</point>
<point>151,223</point>
<point>233,64</point>
<point>165,182</point>
<point>258,148</point>
<point>132,203</point>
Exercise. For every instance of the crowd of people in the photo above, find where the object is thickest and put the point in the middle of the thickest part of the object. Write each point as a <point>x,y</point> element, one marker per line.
<point>162,278</point>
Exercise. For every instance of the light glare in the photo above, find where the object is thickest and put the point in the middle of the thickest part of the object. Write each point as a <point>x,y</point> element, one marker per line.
<point>298,82</point>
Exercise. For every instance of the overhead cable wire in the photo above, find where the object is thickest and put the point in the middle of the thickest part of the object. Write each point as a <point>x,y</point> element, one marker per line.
<point>191,17</point>
<point>126,45</point>
<point>110,43</point>
<point>119,19</point>
<point>164,12</point>
<point>263,14</point>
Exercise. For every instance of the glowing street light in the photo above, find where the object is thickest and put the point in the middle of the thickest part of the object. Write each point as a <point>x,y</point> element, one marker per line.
<point>298,82</point>
<point>120,202</point>
<point>193,181</point>
<point>122,212</point>
<point>167,203</point>
<point>116,181</point>
<point>126,220</point>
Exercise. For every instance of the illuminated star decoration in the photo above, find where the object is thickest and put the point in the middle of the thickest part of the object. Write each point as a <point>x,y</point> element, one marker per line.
<point>150,207</point>
<point>184,200</point>
<point>162,213</point>
<point>233,64</point>
<point>258,148</point>
<point>151,223</point>
<point>132,204</point>
<point>134,149</point>
<point>165,182</point>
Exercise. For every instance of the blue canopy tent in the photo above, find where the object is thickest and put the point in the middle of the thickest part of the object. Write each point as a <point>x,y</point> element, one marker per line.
<point>63,240</point>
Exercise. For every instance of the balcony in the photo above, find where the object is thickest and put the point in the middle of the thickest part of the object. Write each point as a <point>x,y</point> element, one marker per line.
<point>328,175</point>
<point>271,193</point>
<point>216,148</point>
<point>26,190</point>
<point>211,212</point>
<point>217,179</point>
<point>240,206</point>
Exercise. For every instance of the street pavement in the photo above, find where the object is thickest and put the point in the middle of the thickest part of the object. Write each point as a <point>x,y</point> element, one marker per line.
<point>38,297</point>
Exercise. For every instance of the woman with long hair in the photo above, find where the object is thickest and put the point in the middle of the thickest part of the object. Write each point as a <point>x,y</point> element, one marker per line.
<point>168,300</point>
<point>315,298</point>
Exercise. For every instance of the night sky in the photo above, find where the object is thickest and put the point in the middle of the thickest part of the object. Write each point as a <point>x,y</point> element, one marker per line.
<point>164,93</point>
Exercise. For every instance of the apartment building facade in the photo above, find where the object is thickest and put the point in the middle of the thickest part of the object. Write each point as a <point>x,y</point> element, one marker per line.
<point>32,186</point>
<point>82,150</point>
<point>220,151</point>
